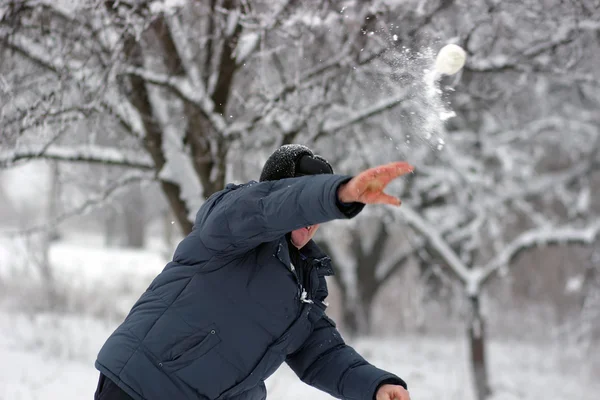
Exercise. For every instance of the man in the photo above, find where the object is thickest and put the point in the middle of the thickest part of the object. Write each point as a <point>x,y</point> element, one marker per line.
<point>245,292</point>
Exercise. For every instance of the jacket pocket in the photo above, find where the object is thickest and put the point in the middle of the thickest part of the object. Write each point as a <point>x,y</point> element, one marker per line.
<point>192,348</point>
<point>208,375</point>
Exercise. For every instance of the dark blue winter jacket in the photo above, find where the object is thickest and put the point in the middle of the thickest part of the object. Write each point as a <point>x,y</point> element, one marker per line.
<point>229,309</point>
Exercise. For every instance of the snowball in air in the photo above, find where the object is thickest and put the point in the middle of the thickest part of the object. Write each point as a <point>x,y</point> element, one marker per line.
<point>450,59</point>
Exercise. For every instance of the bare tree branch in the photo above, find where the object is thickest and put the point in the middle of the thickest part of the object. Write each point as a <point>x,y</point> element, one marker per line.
<point>88,205</point>
<point>562,35</point>
<point>541,237</point>
<point>87,154</point>
<point>357,117</point>
<point>392,264</point>
<point>184,89</point>
<point>120,108</point>
<point>155,141</point>
<point>61,116</point>
<point>439,244</point>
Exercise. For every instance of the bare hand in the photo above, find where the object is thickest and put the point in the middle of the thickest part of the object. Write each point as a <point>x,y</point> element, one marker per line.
<point>367,187</point>
<point>392,392</point>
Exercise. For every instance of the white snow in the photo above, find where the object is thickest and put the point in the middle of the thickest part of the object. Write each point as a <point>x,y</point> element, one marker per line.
<point>233,18</point>
<point>86,269</point>
<point>85,257</point>
<point>540,237</point>
<point>23,183</point>
<point>584,200</point>
<point>575,284</point>
<point>470,278</point>
<point>51,356</point>
<point>188,90</point>
<point>446,115</point>
<point>166,6</point>
<point>246,46</point>
<point>100,154</point>
<point>473,278</point>
<point>178,167</point>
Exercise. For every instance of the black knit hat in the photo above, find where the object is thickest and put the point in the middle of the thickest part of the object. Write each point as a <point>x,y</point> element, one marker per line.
<point>293,160</point>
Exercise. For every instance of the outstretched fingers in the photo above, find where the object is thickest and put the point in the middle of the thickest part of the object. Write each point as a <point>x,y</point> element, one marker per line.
<point>368,187</point>
<point>379,197</point>
<point>401,168</point>
<point>385,198</point>
<point>388,172</point>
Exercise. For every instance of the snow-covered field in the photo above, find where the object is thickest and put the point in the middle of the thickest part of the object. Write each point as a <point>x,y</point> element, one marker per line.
<point>50,356</point>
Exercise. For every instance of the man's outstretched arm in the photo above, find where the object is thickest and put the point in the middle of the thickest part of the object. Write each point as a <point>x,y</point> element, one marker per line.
<point>260,212</point>
<point>328,364</point>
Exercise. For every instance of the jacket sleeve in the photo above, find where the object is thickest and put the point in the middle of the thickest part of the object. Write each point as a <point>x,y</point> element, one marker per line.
<point>328,364</point>
<point>260,212</point>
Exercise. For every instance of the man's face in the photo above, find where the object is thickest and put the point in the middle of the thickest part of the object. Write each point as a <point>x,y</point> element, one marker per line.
<point>300,237</point>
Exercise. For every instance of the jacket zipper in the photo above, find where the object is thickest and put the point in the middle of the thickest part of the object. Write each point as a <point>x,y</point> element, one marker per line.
<point>293,271</point>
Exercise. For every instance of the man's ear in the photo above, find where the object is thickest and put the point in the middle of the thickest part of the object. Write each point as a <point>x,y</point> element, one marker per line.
<point>311,165</point>
<point>326,162</point>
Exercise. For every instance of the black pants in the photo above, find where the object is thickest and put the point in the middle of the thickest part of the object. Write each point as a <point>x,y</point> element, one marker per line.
<point>108,390</point>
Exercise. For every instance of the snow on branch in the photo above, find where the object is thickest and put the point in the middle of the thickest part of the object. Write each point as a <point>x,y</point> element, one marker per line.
<point>188,92</point>
<point>311,77</point>
<point>539,185</point>
<point>62,116</point>
<point>184,50</point>
<point>248,43</point>
<point>39,55</point>
<point>179,167</point>
<point>540,237</point>
<point>63,65</point>
<point>59,7</point>
<point>537,126</point>
<point>236,128</point>
<point>386,104</point>
<point>544,182</point>
<point>562,35</point>
<point>89,154</point>
<point>390,265</point>
<point>34,52</point>
<point>468,277</point>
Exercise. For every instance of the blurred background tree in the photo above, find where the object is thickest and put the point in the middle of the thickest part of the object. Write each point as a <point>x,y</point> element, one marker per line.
<point>133,112</point>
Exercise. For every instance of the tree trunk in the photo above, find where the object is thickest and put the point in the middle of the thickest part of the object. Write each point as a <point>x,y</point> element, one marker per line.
<point>588,330</point>
<point>111,227</point>
<point>47,236</point>
<point>349,318</point>
<point>45,267</point>
<point>356,315</point>
<point>153,140</point>
<point>134,218</point>
<point>357,312</point>
<point>476,331</point>
<point>54,201</point>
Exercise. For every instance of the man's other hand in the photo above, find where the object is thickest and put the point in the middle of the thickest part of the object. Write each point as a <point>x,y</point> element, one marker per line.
<point>392,392</point>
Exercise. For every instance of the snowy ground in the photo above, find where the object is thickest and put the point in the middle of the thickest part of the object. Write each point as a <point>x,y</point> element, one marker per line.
<point>51,357</point>
<point>48,356</point>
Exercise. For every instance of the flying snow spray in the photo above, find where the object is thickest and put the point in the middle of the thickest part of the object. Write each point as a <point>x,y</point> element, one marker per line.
<point>431,109</point>
<point>450,59</point>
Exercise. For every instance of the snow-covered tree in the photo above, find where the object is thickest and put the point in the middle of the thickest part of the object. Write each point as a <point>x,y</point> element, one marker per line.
<point>519,161</point>
<point>175,85</point>
<point>191,94</point>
